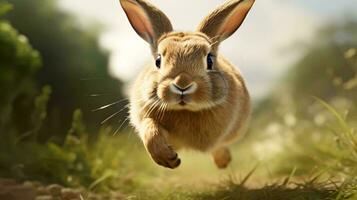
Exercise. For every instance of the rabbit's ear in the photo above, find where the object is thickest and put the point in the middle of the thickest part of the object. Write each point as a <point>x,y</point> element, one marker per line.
<point>148,21</point>
<point>226,19</point>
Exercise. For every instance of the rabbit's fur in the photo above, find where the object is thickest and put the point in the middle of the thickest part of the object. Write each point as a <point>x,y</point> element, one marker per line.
<point>177,101</point>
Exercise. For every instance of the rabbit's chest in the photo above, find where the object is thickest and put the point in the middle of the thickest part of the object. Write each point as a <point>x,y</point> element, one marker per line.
<point>199,131</point>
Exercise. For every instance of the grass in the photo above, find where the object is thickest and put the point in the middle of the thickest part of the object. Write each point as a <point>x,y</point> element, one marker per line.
<point>275,191</point>
<point>231,189</point>
<point>284,162</point>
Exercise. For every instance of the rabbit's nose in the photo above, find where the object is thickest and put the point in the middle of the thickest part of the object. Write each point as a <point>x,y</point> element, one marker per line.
<point>183,84</point>
<point>183,91</point>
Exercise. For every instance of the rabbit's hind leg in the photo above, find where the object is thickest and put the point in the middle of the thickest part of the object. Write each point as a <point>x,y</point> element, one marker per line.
<point>222,157</point>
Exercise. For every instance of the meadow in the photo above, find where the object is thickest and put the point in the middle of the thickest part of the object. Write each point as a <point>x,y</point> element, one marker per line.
<point>301,142</point>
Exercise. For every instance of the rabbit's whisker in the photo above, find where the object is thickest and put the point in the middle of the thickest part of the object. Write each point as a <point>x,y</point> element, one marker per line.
<point>163,110</point>
<point>152,108</point>
<point>100,95</point>
<point>109,105</point>
<point>113,115</point>
<point>116,131</point>
<point>123,122</point>
<point>164,107</point>
<point>158,114</point>
<point>155,107</point>
<point>147,105</point>
<point>110,117</point>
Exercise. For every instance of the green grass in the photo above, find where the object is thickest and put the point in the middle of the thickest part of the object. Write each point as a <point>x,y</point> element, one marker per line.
<point>289,163</point>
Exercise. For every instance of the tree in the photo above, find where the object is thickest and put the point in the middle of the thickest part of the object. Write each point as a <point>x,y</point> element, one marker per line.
<point>327,69</point>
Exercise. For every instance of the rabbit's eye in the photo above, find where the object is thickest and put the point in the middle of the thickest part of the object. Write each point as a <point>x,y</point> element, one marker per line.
<point>209,61</point>
<point>158,61</point>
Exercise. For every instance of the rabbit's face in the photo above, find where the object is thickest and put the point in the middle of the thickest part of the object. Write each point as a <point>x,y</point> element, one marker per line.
<point>187,74</point>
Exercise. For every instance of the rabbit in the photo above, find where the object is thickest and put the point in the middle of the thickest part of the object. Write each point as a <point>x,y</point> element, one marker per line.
<point>188,96</point>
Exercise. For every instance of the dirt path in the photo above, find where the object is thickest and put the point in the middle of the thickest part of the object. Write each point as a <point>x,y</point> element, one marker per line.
<point>13,190</point>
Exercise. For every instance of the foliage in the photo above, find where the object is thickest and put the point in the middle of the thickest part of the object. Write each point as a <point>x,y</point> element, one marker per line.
<point>5,8</point>
<point>79,162</point>
<point>327,70</point>
<point>328,66</point>
<point>24,155</point>
<point>18,63</point>
<point>73,63</point>
<point>345,153</point>
<point>309,134</point>
<point>40,112</point>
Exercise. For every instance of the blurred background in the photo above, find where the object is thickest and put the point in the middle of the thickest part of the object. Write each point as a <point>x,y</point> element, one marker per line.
<point>65,66</point>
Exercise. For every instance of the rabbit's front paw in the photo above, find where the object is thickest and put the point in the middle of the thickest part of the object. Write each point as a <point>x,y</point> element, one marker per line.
<point>162,153</point>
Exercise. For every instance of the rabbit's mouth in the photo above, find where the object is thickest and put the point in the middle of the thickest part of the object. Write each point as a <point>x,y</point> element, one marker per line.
<point>182,103</point>
<point>183,100</point>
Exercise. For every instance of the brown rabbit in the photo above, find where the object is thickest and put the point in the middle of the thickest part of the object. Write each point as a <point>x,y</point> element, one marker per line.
<point>189,96</point>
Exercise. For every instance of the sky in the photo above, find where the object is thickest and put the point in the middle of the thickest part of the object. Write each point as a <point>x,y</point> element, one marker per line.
<point>261,48</point>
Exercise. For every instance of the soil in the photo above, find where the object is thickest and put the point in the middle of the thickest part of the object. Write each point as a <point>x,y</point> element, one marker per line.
<point>32,190</point>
